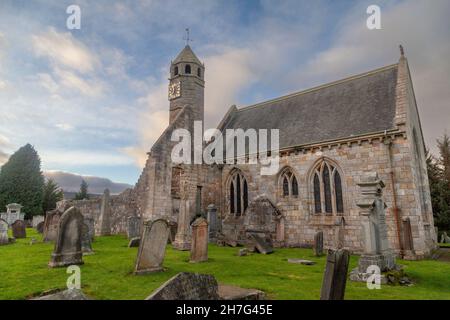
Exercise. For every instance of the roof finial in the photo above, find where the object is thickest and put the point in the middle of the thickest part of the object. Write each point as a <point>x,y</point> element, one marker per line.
<point>187,37</point>
<point>402,51</point>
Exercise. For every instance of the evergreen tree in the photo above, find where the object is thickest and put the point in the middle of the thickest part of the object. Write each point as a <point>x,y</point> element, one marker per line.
<point>83,194</point>
<point>439,180</point>
<point>52,194</point>
<point>21,181</point>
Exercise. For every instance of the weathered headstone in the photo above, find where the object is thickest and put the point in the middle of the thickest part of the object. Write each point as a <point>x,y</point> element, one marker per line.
<point>133,227</point>
<point>199,247</point>
<point>335,276</point>
<point>40,227</point>
<point>103,227</point>
<point>152,247</point>
<point>37,220</point>
<point>67,249</point>
<point>19,230</point>
<point>445,238</point>
<point>318,244</point>
<point>376,245</point>
<point>90,223</point>
<point>213,222</point>
<point>51,225</point>
<point>3,232</point>
<point>261,245</point>
<point>302,261</point>
<point>408,243</point>
<point>86,245</point>
<point>69,294</point>
<point>187,286</point>
<point>134,243</point>
<point>183,237</point>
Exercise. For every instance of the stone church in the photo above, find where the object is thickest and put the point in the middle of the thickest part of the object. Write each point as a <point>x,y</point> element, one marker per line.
<point>330,138</point>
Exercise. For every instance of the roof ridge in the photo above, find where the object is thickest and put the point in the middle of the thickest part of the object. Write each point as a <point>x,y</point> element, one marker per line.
<point>316,88</point>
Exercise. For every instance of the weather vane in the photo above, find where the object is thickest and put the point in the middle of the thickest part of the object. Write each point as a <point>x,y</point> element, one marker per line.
<point>187,37</point>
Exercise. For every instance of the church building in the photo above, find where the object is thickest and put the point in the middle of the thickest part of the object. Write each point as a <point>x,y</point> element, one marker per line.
<point>330,138</point>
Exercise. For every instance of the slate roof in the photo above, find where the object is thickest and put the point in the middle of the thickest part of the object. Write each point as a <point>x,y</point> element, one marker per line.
<point>187,55</point>
<point>358,105</point>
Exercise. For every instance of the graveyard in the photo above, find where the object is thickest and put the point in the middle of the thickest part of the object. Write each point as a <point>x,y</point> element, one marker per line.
<point>109,272</point>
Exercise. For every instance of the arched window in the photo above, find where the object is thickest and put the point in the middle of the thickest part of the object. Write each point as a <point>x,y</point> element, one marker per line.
<point>327,188</point>
<point>199,72</point>
<point>175,71</point>
<point>238,195</point>
<point>187,69</point>
<point>289,183</point>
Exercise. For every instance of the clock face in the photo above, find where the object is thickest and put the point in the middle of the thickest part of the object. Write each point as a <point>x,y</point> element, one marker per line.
<point>174,90</point>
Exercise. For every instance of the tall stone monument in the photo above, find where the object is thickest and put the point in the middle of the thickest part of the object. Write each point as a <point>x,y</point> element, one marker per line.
<point>67,249</point>
<point>104,221</point>
<point>213,223</point>
<point>199,247</point>
<point>318,244</point>
<point>183,237</point>
<point>51,225</point>
<point>376,245</point>
<point>152,247</point>
<point>86,245</point>
<point>335,276</point>
<point>13,213</point>
<point>3,232</point>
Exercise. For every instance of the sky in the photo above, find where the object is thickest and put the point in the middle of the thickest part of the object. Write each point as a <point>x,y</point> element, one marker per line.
<point>92,101</point>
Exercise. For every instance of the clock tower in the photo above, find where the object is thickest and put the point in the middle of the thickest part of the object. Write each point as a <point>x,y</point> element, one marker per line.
<point>187,84</point>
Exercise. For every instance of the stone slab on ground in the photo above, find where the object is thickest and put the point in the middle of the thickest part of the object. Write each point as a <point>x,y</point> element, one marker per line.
<point>261,245</point>
<point>70,294</point>
<point>227,292</point>
<point>302,261</point>
<point>187,286</point>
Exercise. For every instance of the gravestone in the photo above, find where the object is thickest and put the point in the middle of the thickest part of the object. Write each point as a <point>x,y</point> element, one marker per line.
<point>199,246</point>
<point>90,223</point>
<point>335,275</point>
<point>103,227</point>
<point>19,230</point>
<point>173,231</point>
<point>318,244</point>
<point>86,245</point>
<point>261,245</point>
<point>408,243</point>
<point>3,232</point>
<point>445,238</point>
<point>302,261</point>
<point>152,247</point>
<point>183,238</point>
<point>37,220</point>
<point>134,243</point>
<point>69,294</point>
<point>40,227</point>
<point>133,227</point>
<point>213,225</point>
<point>67,249</point>
<point>51,225</point>
<point>187,286</point>
<point>373,216</point>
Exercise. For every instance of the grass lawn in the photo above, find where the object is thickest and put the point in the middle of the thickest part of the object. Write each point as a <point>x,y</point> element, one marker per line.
<point>108,273</point>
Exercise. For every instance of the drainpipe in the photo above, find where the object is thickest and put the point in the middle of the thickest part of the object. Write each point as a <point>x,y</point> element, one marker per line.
<point>388,144</point>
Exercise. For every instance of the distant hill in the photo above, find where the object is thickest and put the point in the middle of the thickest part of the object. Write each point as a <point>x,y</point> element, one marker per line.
<point>70,183</point>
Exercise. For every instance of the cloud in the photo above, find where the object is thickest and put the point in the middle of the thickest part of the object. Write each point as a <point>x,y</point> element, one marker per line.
<point>58,158</point>
<point>4,145</point>
<point>68,79</point>
<point>62,49</point>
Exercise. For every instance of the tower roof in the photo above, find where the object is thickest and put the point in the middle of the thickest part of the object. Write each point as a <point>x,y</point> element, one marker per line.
<point>187,55</point>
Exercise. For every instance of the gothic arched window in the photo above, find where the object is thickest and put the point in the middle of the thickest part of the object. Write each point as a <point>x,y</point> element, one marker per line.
<point>199,72</point>
<point>289,183</point>
<point>187,69</point>
<point>327,188</point>
<point>175,71</point>
<point>238,195</point>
